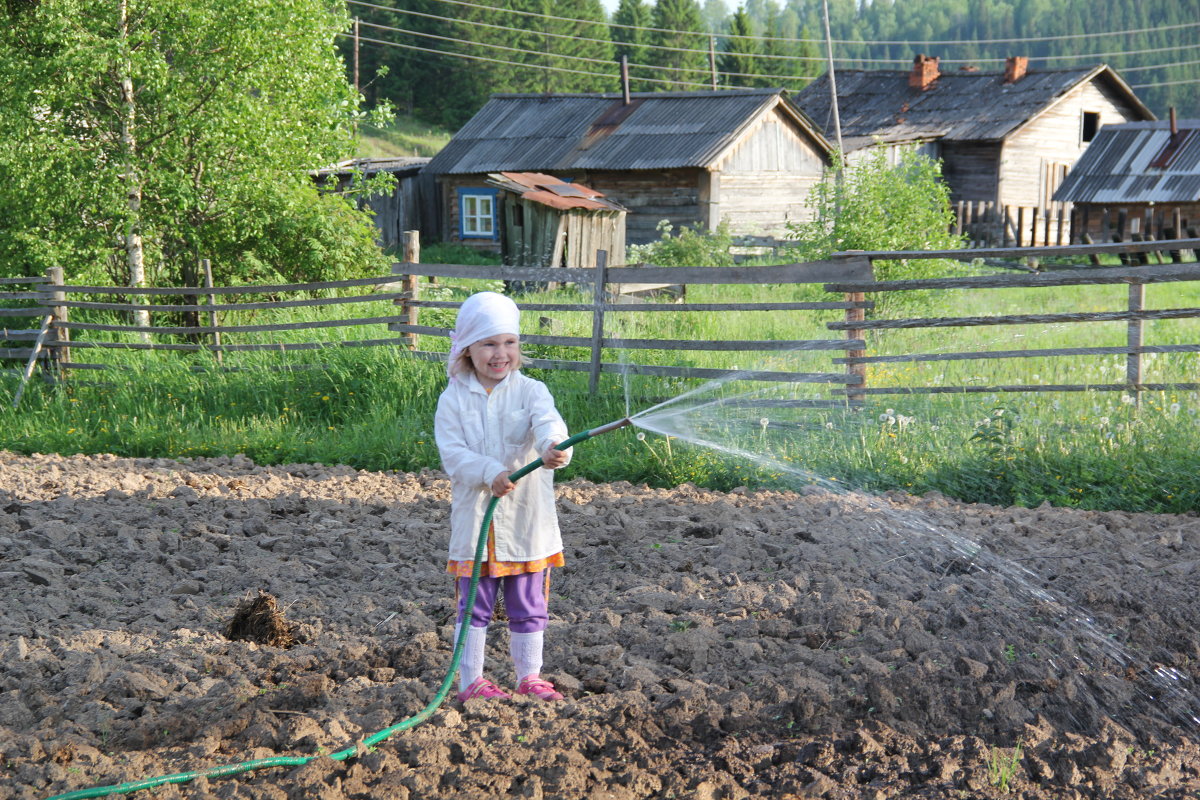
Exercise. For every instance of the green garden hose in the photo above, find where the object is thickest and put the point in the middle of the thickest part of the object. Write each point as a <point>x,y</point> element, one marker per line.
<point>375,738</point>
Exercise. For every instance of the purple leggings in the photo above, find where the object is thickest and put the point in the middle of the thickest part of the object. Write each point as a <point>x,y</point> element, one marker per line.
<point>524,600</point>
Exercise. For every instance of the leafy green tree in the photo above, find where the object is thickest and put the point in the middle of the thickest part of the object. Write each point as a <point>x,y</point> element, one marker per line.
<point>680,27</point>
<point>872,205</point>
<point>140,136</point>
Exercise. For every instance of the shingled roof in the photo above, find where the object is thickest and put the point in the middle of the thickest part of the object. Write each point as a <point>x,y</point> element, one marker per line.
<point>880,106</point>
<point>656,130</point>
<point>1138,162</point>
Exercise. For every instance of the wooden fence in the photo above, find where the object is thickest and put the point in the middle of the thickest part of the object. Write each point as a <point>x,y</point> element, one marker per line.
<point>49,303</point>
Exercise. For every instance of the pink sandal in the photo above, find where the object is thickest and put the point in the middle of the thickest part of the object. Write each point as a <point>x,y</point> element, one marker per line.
<point>539,687</point>
<point>481,687</point>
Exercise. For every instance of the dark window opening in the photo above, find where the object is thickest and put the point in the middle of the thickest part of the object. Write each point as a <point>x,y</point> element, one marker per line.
<point>1091,125</point>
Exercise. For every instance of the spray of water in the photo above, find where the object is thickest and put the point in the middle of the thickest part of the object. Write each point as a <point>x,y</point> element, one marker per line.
<point>1066,653</point>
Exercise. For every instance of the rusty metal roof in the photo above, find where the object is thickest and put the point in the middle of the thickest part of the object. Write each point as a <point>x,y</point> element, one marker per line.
<point>657,130</point>
<point>553,192</point>
<point>1137,162</point>
<point>880,106</point>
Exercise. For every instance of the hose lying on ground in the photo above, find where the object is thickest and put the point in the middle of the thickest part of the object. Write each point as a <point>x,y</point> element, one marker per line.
<point>405,724</point>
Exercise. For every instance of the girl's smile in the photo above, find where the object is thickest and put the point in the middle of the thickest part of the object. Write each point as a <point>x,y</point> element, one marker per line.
<point>494,357</point>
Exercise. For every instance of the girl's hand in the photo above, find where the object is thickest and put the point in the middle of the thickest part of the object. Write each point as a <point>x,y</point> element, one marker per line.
<point>502,485</point>
<point>553,459</point>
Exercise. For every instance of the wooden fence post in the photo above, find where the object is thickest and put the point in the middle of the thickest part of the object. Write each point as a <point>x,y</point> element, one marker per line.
<point>206,265</point>
<point>1134,329</point>
<point>854,368</point>
<point>60,345</point>
<point>598,300</point>
<point>409,286</point>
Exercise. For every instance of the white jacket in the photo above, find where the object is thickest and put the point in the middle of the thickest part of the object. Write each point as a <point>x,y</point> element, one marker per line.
<point>480,435</point>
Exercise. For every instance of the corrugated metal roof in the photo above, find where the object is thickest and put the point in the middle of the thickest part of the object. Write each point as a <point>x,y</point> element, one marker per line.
<point>879,105</point>
<point>553,192</point>
<point>1137,162</point>
<point>527,132</point>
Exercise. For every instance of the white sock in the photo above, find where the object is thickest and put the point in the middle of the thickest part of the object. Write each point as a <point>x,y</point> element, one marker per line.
<point>526,651</point>
<point>471,665</point>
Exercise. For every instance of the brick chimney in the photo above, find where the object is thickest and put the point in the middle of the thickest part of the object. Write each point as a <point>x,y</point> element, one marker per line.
<point>1015,68</point>
<point>924,72</point>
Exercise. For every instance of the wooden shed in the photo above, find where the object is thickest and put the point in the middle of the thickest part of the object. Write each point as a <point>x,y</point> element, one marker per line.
<point>1007,138</point>
<point>395,212</point>
<point>548,222</point>
<point>1138,178</point>
<point>746,156</point>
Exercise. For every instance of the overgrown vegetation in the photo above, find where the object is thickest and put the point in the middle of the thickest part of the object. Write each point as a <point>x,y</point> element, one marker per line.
<point>688,247</point>
<point>373,407</point>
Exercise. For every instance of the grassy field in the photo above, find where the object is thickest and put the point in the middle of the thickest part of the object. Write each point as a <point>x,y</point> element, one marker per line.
<point>406,136</point>
<point>373,407</point>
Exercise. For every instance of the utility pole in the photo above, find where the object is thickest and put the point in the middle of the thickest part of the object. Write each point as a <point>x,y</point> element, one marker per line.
<point>837,121</point>
<point>356,88</point>
<point>712,59</point>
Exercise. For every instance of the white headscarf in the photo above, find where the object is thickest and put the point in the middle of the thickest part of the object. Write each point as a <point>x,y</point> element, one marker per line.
<point>480,316</point>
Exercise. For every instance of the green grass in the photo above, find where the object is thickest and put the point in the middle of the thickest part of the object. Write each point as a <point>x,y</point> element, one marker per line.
<point>372,408</point>
<point>406,136</point>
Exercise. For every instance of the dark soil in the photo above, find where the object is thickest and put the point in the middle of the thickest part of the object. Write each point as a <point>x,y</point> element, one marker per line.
<point>711,645</point>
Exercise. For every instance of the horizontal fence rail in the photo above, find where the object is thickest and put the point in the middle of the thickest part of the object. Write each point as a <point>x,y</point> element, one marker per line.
<point>853,351</point>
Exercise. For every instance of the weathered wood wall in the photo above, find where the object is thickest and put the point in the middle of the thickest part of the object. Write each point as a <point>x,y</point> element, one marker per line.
<point>765,180</point>
<point>1036,158</point>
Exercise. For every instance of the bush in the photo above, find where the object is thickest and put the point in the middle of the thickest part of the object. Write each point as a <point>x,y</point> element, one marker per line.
<point>877,206</point>
<point>691,247</point>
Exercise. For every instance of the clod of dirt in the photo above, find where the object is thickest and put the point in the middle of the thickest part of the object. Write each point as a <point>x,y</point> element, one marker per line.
<point>259,620</point>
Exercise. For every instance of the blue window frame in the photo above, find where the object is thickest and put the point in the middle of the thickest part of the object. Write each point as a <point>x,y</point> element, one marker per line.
<point>477,213</point>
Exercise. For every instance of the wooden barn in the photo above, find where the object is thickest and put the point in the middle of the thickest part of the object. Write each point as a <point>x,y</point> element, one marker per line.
<point>748,156</point>
<point>1005,138</point>
<point>395,212</point>
<point>1138,178</point>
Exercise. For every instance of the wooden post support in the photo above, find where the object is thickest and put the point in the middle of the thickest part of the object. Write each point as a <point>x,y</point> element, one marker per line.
<point>60,342</point>
<point>38,343</point>
<point>408,311</point>
<point>856,369</point>
<point>206,265</point>
<point>1134,329</point>
<point>598,299</point>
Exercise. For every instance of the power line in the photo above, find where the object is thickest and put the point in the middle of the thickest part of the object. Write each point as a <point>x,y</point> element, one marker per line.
<point>615,42</point>
<point>470,57</point>
<point>1010,40</point>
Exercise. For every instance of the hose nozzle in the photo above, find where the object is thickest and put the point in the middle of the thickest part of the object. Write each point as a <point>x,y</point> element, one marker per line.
<point>612,426</point>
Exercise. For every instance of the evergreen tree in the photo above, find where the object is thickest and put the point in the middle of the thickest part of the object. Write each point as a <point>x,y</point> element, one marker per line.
<point>630,37</point>
<point>681,29</point>
<point>739,63</point>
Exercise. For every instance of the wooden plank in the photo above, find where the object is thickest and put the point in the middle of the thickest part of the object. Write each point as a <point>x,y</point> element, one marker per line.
<point>316,301</point>
<point>22,312</point>
<point>1018,319</point>
<point>850,267</point>
<point>230,348</point>
<point>33,358</point>
<point>199,290</point>
<point>19,281</point>
<point>773,345</point>
<point>282,326</point>
<point>21,353</point>
<point>22,296</point>
<point>704,373</point>
<point>1167,273</point>
<point>20,334</point>
<point>832,306</point>
<point>989,354</point>
<point>970,254</point>
<point>1082,387</point>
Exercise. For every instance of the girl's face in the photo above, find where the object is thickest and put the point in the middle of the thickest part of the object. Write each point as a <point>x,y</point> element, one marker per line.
<point>494,357</point>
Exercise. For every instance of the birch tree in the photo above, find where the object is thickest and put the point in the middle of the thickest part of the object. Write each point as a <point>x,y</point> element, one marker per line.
<point>139,136</point>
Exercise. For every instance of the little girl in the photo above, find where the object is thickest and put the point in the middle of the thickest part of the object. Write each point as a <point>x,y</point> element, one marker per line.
<point>491,420</point>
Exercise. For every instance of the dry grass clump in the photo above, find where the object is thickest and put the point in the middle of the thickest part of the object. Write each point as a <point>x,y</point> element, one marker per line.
<point>259,620</point>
